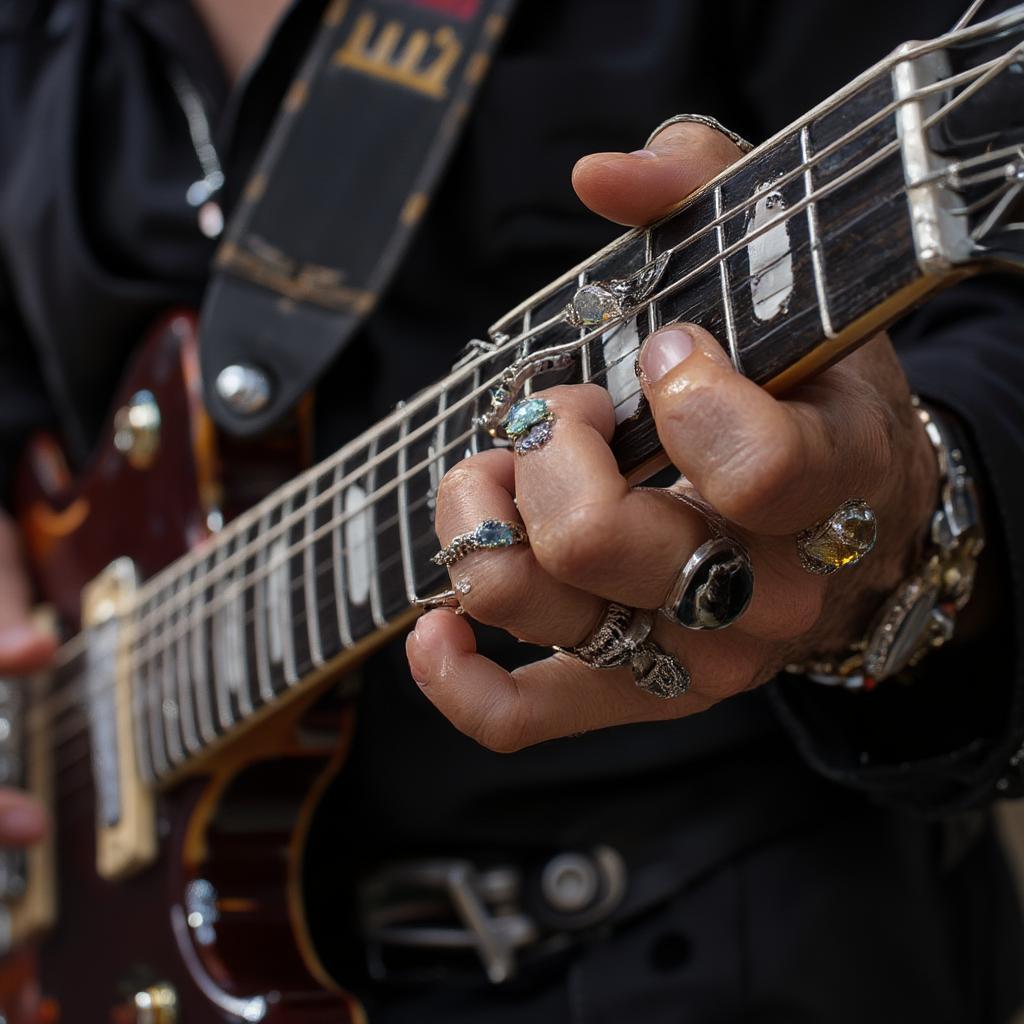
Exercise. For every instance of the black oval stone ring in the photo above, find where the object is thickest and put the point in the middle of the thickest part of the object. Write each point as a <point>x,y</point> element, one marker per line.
<point>714,587</point>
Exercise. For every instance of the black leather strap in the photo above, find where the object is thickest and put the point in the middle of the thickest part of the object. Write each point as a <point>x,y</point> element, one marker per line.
<point>344,178</point>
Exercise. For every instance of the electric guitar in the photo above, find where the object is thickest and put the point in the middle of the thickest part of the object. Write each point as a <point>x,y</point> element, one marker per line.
<point>213,598</point>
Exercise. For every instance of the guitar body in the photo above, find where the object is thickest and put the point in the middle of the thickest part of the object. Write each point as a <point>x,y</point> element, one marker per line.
<point>214,926</point>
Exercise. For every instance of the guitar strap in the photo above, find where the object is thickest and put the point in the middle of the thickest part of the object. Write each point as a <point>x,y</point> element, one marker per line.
<point>336,194</point>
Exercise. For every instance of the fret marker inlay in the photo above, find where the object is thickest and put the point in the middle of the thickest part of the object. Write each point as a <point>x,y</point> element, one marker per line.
<point>357,545</point>
<point>771,258</point>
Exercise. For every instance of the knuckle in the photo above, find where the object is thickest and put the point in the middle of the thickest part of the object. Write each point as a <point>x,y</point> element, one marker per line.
<point>574,545</point>
<point>451,492</point>
<point>498,595</point>
<point>755,479</point>
<point>799,613</point>
<point>501,728</point>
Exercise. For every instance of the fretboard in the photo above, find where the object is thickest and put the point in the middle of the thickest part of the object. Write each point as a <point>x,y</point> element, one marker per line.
<point>790,259</point>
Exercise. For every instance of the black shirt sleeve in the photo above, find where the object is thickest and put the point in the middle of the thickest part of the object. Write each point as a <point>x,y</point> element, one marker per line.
<point>953,738</point>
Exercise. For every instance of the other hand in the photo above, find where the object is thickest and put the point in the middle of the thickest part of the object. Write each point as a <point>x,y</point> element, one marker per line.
<point>23,648</point>
<point>771,467</point>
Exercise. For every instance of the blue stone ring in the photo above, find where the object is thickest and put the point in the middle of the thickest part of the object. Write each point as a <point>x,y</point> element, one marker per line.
<point>487,536</point>
<point>529,424</point>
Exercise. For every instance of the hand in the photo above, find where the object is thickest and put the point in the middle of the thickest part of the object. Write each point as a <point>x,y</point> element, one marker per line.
<point>770,467</point>
<point>23,649</point>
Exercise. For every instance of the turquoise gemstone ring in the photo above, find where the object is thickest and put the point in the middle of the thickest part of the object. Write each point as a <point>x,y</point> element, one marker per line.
<point>489,535</point>
<point>528,424</point>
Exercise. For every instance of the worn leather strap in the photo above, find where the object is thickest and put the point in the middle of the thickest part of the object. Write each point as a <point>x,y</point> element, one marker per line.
<point>337,193</point>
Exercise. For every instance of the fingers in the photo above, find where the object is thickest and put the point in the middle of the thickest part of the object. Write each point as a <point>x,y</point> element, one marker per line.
<point>587,527</point>
<point>547,700</point>
<point>23,647</point>
<point>774,467</point>
<point>507,587</point>
<point>22,820</point>
<point>641,187</point>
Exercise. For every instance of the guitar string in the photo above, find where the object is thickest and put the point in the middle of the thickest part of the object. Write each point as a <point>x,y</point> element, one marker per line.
<point>154,685</point>
<point>995,67</point>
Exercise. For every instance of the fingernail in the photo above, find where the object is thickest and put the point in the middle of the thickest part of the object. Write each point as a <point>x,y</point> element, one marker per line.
<point>646,154</point>
<point>415,656</point>
<point>13,638</point>
<point>664,351</point>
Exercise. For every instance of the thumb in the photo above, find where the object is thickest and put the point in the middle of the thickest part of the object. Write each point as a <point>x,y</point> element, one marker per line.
<point>23,646</point>
<point>643,186</point>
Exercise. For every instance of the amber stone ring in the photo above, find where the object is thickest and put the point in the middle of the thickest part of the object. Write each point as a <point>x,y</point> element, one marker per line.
<point>839,541</point>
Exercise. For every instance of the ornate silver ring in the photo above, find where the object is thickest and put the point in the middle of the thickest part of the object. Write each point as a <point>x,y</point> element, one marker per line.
<point>839,541</point>
<point>615,639</point>
<point>487,536</point>
<point>703,119</point>
<point>658,673</point>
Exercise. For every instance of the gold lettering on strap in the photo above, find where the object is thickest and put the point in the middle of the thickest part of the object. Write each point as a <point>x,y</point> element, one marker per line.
<point>383,55</point>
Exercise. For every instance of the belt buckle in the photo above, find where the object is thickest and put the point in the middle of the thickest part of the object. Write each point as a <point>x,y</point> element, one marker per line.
<point>408,890</point>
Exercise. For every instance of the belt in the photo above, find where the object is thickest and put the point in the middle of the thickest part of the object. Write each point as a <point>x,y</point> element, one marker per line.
<point>422,919</point>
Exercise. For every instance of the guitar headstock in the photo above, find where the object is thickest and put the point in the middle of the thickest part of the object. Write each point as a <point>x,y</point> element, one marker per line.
<point>968,91</point>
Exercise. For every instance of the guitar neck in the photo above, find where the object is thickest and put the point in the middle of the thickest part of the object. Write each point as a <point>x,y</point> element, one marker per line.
<point>791,258</point>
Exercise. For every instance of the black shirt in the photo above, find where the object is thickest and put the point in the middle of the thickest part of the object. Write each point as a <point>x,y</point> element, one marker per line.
<point>96,239</point>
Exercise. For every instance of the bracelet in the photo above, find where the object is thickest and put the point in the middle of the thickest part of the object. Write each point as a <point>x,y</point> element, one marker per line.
<point>921,615</point>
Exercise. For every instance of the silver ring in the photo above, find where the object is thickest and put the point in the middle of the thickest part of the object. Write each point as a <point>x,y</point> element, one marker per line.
<point>486,536</point>
<point>658,673</point>
<point>715,585</point>
<point>709,122</point>
<point>615,639</point>
<point>840,541</point>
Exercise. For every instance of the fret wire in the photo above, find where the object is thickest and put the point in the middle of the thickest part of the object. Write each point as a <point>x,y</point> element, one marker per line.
<point>723,267</point>
<point>474,444</point>
<point>652,314</point>
<point>817,256</point>
<point>222,695</point>
<point>261,621</point>
<point>186,699</point>
<point>408,568</point>
<point>154,717</point>
<point>524,350</point>
<point>168,689</point>
<point>236,641</point>
<point>367,506</point>
<point>337,547</point>
<point>282,612</point>
<point>139,699</point>
<point>585,367</point>
<point>309,573</point>
<point>200,665</point>
<point>437,465</point>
